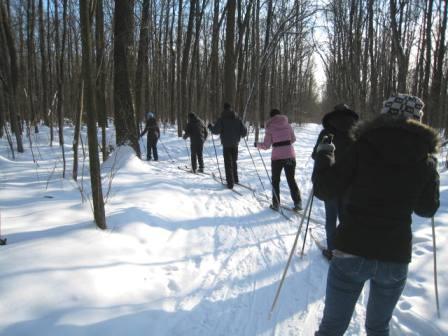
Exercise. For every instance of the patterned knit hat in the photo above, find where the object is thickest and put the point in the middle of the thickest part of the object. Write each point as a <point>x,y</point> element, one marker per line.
<point>404,105</point>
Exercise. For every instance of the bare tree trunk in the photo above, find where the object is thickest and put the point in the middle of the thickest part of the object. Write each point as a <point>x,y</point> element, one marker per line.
<point>50,84</point>
<point>263,70</point>
<point>179,66</point>
<point>101,76</point>
<point>12,75</point>
<point>77,132</point>
<point>141,74</point>
<point>436,86</point>
<point>31,9</point>
<point>185,63</point>
<point>43,73</point>
<point>214,64</point>
<point>400,55</point>
<point>125,124</point>
<point>229,56</point>
<point>95,173</point>
<point>425,88</point>
<point>60,50</point>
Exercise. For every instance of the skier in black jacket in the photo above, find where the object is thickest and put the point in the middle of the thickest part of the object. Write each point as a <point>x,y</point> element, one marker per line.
<point>231,129</point>
<point>387,174</point>
<point>153,136</point>
<point>337,124</point>
<point>197,132</point>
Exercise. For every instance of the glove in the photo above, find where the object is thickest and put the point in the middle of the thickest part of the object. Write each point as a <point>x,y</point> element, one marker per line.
<point>325,147</point>
<point>326,144</point>
<point>255,144</point>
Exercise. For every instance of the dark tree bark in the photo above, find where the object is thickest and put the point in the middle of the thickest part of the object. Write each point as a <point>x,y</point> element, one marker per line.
<point>229,56</point>
<point>125,124</point>
<point>43,66</point>
<point>87,60</point>
<point>12,74</point>
<point>101,75</point>
<point>77,132</point>
<point>142,72</point>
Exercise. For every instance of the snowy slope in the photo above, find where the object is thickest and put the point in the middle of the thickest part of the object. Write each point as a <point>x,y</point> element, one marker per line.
<point>182,255</point>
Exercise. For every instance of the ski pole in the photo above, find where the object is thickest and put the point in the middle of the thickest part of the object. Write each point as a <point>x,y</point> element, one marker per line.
<point>308,203</point>
<point>434,248</point>
<point>144,146</point>
<point>307,224</point>
<point>189,156</point>
<point>166,150</point>
<point>277,198</point>
<point>216,155</point>
<point>186,146</point>
<point>255,166</point>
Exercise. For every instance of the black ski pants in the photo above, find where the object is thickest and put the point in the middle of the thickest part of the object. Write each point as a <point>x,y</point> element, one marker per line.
<point>230,165</point>
<point>197,156</point>
<point>290,167</point>
<point>151,149</point>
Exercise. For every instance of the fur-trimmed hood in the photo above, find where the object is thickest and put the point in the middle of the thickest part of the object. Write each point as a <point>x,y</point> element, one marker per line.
<point>397,140</point>
<point>278,122</point>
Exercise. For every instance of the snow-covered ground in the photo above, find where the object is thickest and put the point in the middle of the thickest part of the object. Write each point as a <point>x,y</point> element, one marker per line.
<point>182,255</point>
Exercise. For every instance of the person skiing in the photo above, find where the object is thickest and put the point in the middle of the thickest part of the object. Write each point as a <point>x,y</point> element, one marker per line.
<point>231,129</point>
<point>153,130</point>
<point>197,132</point>
<point>280,135</point>
<point>336,124</point>
<point>388,173</point>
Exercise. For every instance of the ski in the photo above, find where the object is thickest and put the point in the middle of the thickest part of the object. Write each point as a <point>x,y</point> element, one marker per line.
<point>189,170</point>
<point>185,168</point>
<point>279,210</point>
<point>300,212</point>
<point>246,187</point>
<point>217,179</point>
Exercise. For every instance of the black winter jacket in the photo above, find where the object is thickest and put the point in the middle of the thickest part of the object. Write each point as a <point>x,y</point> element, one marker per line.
<point>338,123</point>
<point>153,130</point>
<point>195,130</point>
<point>386,175</point>
<point>230,128</point>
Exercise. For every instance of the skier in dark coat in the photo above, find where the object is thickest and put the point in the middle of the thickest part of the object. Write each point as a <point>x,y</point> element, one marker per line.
<point>153,130</point>
<point>337,124</point>
<point>231,129</point>
<point>197,132</point>
<point>387,174</point>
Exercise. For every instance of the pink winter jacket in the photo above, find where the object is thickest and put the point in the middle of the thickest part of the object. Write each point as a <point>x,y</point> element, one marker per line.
<point>279,130</point>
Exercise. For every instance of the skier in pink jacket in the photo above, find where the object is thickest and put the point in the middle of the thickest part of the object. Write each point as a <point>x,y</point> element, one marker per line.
<point>280,135</point>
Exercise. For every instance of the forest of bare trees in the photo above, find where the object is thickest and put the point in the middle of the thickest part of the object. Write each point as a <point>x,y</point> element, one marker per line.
<point>103,62</point>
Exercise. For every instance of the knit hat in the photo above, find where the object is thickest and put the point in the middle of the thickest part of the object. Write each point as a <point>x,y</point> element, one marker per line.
<point>404,105</point>
<point>149,115</point>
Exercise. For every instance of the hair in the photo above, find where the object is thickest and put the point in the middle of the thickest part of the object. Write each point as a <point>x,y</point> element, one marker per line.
<point>274,112</point>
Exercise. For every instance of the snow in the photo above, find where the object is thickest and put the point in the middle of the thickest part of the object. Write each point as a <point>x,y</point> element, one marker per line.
<point>182,255</point>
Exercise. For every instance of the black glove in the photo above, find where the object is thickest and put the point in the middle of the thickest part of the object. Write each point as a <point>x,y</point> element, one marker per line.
<point>255,144</point>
